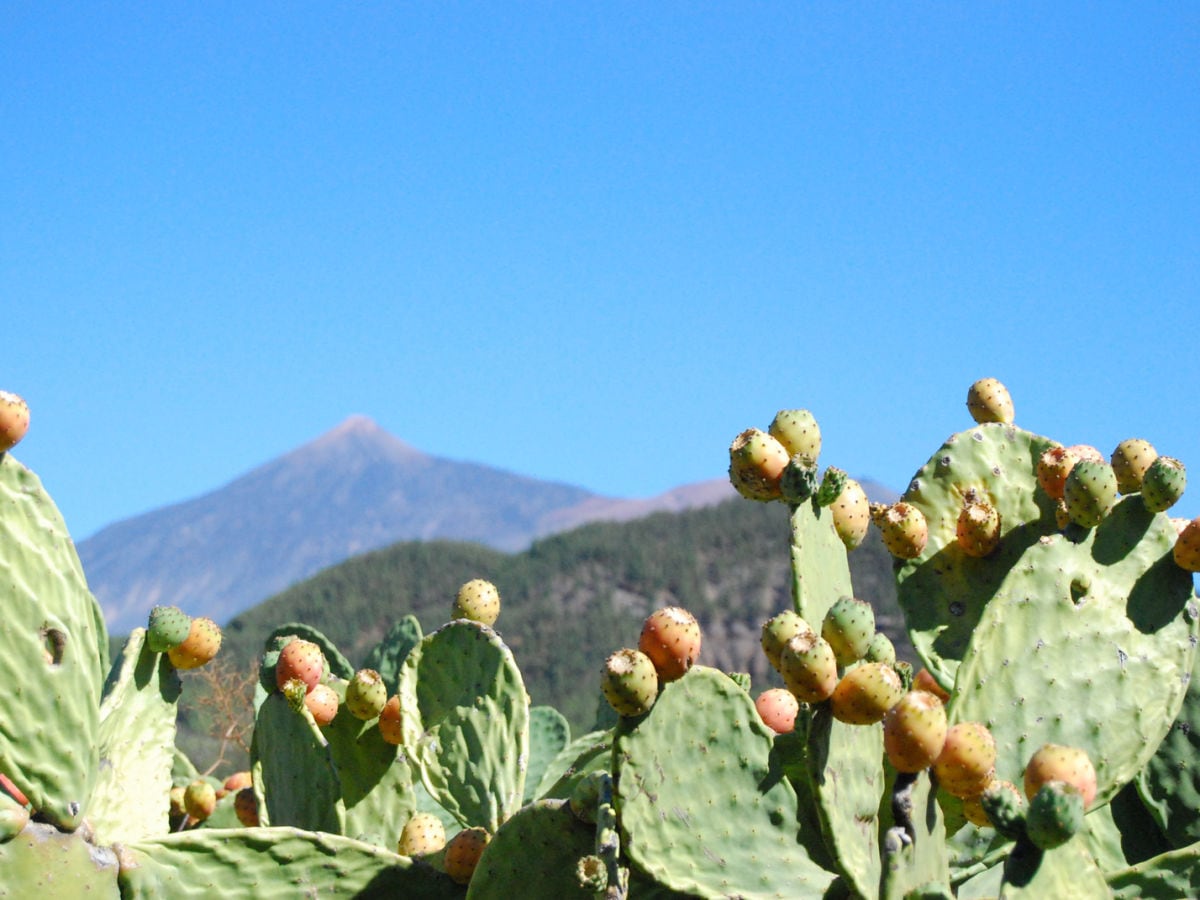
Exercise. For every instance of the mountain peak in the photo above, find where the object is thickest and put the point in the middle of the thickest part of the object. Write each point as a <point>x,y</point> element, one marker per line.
<point>362,433</point>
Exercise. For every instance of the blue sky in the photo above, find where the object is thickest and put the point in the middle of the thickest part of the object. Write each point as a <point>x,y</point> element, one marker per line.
<point>590,242</point>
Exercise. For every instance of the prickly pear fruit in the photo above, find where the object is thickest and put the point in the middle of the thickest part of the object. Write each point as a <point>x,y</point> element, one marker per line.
<point>848,626</point>
<point>322,702</point>
<point>1054,762</point>
<point>903,526</point>
<point>924,681</point>
<point>234,783</point>
<point>421,835</point>
<point>1055,464</point>
<point>865,694</point>
<point>366,694</point>
<point>630,682</point>
<point>200,646</point>
<point>1164,483</point>
<point>1130,460</point>
<point>168,627</point>
<point>756,464</point>
<point>777,708</point>
<point>175,801</point>
<point>671,638</point>
<point>972,809</point>
<point>245,807</point>
<point>808,667</point>
<point>199,800</point>
<point>585,797</point>
<point>881,650</point>
<point>301,660</point>
<point>591,874</point>
<point>1055,815</point>
<point>989,401</point>
<point>778,630</point>
<point>799,433</point>
<point>1005,808</point>
<point>14,420</point>
<point>463,852</point>
<point>1187,547</point>
<point>1090,492</point>
<point>389,721</point>
<point>914,731</point>
<point>851,513</point>
<point>967,763</point>
<point>833,482</point>
<point>477,600</point>
<point>798,482</point>
<point>977,532</point>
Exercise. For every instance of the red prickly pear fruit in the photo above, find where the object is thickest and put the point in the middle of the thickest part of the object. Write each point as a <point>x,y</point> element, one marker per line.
<point>924,681</point>
<point>799,433</point>
<point>865,694</point>
<point>200,646</point>
<point>851,513</point>
<point>914,731</point>
<point>421,835</point>
<point>12,790</point>
<point>477,600</point>
<point>1054,762</point>
<point>365,694</point>
<point>322,702</point>
<point>389,721</point>
<point>234,783</point>
<point>903,526</point>
<point>463,852</point>
<point>809,668</point>
<point>167,627</point>
<point>778,630</point>
<point>1090,492</point>
<point>1130,460</point>
<point>848,626</point>
<point>301,660</point>
<point>756,464</point>
<point>1164,483</point>
<point>777,708</point>
<point>199,800</point>
<point>671,638</point>
<point>245,807</point>
<point>977,531</point>
<point>630,682</point>
<point>967,763</point>
<point>989,401</point>
<point>1187,547</point>
<point>14,420</point>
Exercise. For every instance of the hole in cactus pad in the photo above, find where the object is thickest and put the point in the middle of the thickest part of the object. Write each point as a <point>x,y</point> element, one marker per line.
<point>54,644</point>
<point>1080,585</point>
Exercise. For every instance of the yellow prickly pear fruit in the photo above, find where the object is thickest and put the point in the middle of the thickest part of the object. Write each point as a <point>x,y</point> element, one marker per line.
<point>977,531</point>
<point>200,646</point>
<point>477,600</point>
<point>1130,460</point>
<point>799,433</point>
<point>14,420</point>
<point>914,731</point>
<point>756,464</point>
<point>1187,546</point>
<point>851,513</point>
<point>903,527</point>
<point>422,835</point>
<point>988,401</point>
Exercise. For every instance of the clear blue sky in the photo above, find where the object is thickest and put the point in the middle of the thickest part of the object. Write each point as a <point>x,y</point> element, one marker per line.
<point>590,242</point>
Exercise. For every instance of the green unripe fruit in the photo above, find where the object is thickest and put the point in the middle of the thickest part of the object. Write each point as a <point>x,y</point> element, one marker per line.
<point>591,874</point>
<point>881,650</point>
<point>199,800</point>
<point>989,401</point>
<point>832,484</point>
<point>167,629</point>
<point>366,694</point>
<point>1130,460</point>
<point>477,600</point>
<point>778,630</point>
<point>799,480</point>
<point>799,433</point>
<point>630,682</point>
<point>1090,492</point>
<point>1005,808</point>
<point>1164,483</point>
<point>849,626</point>
<point>756,464</point>
<point>809,668</point>
<point>1055,815</point>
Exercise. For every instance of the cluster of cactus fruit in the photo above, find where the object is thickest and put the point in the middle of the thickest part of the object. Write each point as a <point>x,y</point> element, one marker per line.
<point>1047,593</point>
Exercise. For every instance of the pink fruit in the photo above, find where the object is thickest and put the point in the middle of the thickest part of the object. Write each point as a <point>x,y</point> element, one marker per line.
<point>1055,762</point>
<point>322,702</point>
<point>777,708</point>
<point>671,638</point>
<point>300,660</point>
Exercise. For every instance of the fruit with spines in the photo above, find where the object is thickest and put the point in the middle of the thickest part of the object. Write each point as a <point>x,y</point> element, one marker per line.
<point>366,693</point>
<point>798,483</point>
<point>914,731</point>
<point>967,763</point>
<point>421,835</point>
<point>463,852</point>
<point>629,682</point>
<point>1186,552</point>
<point>756,464</point>
<point>1090,492</point>
<point>881,650</point>
<point>1055,762</point>
<point>777,707</point>
<point>671,638</point>
<point>809,668</point>
<point>865,693</point>
<point>833,482</point>
<point>851,514</point>
<point>848,626</point>
<point>1055,815</point>
<point>245,807</point>
<point>780,629</point>
<point>1055,464</point>
<point>235,783</point>
<point>903,526</point>
<point>168,627</point>
<point>977,531</point>
<point>199,647</point>
<point>924,681</point>
<point>1164,483</point>
<point>14,420</point>
<point>1130,460</point>
<point>989,401</point>
<point>322,703</point>
<point>300,660</point>
<point>175,801</point>
<point>973,812</point>
<point>477,600</point>
<point>199,800</point>
<point>1005,808</point>
<point>389,721</point>
<point>798,432</point>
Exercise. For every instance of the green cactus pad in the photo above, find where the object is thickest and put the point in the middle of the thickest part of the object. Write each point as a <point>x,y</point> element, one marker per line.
<point>540,845</point>
<point>43,862</point>
<point>388,655</point>
<point>1065,873</point>
<point>549,734</point>
<point>1170,783</point>
<point>272,864</point>
<point>915,862</point>
<point>465,721</point>
<point>704,808</point>
<point>1086,644</point>
<point>820,569</point>
<point>53,636</point>
<point>137,738</point>
<point>339,666</point>
<point>588,753</point>
<point>1165,877</point>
